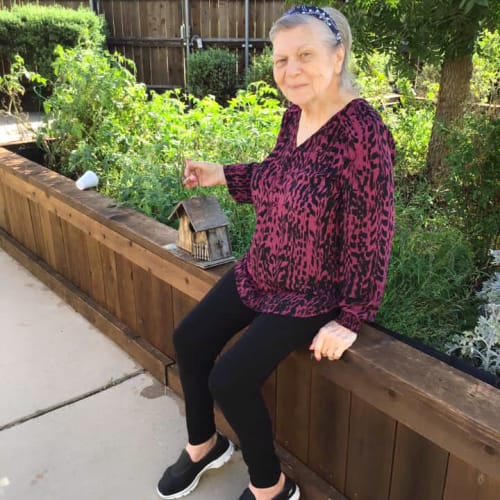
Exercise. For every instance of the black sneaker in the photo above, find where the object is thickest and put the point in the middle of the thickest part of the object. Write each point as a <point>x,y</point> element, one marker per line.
<point>183,476</point>
<point>290,492</point>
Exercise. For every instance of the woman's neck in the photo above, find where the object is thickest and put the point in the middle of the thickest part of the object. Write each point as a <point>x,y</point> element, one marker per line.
<point>319,113</point>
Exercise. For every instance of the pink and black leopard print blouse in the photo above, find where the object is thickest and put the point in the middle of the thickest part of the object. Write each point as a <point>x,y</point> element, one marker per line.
<point>324,218</point>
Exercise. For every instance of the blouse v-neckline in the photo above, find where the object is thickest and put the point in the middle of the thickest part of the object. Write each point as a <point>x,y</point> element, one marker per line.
<point>332,118</point>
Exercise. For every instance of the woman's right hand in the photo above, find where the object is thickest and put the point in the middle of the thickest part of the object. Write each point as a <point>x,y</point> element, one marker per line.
<point>203,173</point>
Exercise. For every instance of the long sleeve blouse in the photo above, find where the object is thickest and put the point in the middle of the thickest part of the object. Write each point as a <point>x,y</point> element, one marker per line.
<point>324,218</point>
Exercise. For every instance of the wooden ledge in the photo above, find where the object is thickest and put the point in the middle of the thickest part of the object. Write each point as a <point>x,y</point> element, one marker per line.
<point>94,213</point>
<point>452,409</point>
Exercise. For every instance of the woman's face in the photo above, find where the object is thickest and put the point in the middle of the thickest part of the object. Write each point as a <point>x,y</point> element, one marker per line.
<point>305,69</point>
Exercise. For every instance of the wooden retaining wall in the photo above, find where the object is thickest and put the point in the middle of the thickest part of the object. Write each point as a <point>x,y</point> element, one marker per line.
<point>387,422</point>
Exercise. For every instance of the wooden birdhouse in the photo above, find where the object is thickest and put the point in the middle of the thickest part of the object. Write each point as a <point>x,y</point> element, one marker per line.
<point>203,238</point>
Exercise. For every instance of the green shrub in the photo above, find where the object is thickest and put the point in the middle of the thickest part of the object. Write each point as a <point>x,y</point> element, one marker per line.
<point>472,191</point>
<point>103,120</point>
<point>411,126</point>
<point>261,68</point>
<point>481,346</point>
<point>485,82</point>
<point>430,285</point>
<point>33,32</point>
<point>213,72</point>
<point>96,109</point>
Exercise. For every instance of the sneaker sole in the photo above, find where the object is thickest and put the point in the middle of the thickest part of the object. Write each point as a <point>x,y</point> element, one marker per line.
<point>216,464</point>
<point>296,493</point>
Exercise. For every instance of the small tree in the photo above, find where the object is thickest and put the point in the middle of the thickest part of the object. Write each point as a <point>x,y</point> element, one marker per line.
<point>213,71</point>
<point>441,32</point>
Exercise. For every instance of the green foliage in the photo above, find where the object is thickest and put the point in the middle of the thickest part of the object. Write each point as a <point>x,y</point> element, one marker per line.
<point>429,291</point>
<point>96,109</point>
<point>374,76</point>
<point>261,68</point>
<point>418,31</point>
<point>103,120</point>
<point>482,345</point>
<point>33,31</point>
<point>411,125</point>
<point>485,83</point>
<point>473,190</point>
<point>12,85</point>
<point>213,72</point>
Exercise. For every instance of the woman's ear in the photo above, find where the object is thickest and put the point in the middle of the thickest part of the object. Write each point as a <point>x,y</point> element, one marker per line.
<point>338,59</point>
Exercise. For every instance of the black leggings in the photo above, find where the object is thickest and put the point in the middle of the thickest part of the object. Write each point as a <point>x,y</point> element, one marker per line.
<point>236,379</point>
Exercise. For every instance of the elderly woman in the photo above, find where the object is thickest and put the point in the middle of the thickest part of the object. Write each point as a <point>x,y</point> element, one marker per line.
<point>317,264</point>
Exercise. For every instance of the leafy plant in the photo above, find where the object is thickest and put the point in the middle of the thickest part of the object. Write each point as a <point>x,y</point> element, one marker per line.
<point>102,120</point>
<point>33,31</point>
<point>472,191</point>
<point>429,291</point>
<point>485,83</point>
<point>261,68</point>
<point>482,345</point>
<point>12,85</point>
<point>213,71</point>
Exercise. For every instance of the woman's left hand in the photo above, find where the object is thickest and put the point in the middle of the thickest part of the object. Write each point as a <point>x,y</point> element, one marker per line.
<point>332,340</point>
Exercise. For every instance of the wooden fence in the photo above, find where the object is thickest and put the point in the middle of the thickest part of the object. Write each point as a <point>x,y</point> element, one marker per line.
<point>387,422</point>
<point>153,33</point>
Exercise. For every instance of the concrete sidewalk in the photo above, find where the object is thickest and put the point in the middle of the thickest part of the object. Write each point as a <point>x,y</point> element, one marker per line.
<point>79,419</point>
<point>12,130</point>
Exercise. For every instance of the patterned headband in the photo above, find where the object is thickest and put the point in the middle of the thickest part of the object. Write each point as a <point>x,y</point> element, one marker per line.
<point>318,13</point>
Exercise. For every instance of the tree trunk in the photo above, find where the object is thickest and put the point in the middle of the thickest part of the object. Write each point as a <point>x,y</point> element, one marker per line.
<point>454,91</point>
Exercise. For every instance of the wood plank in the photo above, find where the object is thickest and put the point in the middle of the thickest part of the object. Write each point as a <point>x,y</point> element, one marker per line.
<point>452,409</point>
<point>233,14</point>
<point>223,18</point>
<point>145,354</point>
<point>110,14</point>
<point>161,322</point>
<point>77,258</point>
<point>108,259</point>
<point>213,17</point>
<point>181,304</point>
<point>126,291</point>
<point>39,237</point>
<point>12,213</point>
<point>293,404</point>
<point>370,449</point>
<point>66,243</point>
<point>153,300</point>
<point>4,218</point>
<point>98,289</point>
<point>19,213</point>
<point>61,258</point>
<point>175,57</point>
<point>329,429</point>
<point>409,483</point>
<point>46,227</point>
<point>196,18</point>
<point>465,482</point>
<point>120,29</point>
<point>107,228</point>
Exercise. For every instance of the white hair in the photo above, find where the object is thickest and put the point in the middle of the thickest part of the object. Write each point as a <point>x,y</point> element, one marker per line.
<point>291,21</point>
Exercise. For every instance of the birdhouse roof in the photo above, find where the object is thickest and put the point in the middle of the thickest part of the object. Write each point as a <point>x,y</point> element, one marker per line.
<point>204,212</point>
